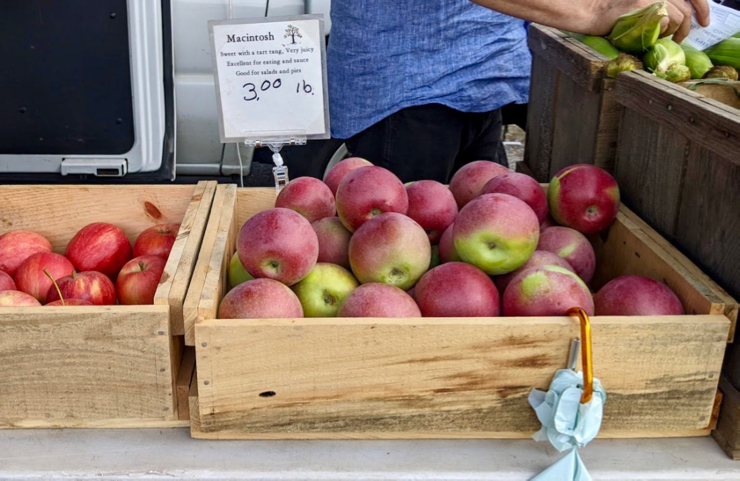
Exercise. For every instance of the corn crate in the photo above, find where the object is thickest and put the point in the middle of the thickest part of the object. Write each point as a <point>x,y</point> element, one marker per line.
<point>446,377</point>
<point>101,366</point>
<point>573,116</point>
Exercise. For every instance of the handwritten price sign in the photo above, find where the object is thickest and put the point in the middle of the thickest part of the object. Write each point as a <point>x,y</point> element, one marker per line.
<point>270,77</point>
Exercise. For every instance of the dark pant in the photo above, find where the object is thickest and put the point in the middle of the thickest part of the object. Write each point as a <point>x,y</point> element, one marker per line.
<point>430,141</point>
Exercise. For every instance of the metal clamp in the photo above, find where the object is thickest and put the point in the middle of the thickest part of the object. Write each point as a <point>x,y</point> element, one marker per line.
<point>586,353</point>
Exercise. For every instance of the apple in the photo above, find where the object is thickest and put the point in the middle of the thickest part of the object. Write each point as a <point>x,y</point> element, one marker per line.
<point>390,248</point>
<point>456,289</point>
<point>539,258</point>
<point>156,240</point>
<point>496,233</point>
<point>522,187</point>
<point>237,273</point>
<point>378,300</point>
<point>91,286</point>
<point>18,245</point>
<point>260,299</point>
<point>6,282</point>
<point>433,206</point>
<point>333,241</point>
<point>138,280</point>
<point>278,244</point>
<point>632,295</point>
<point>434,261</point>
<point>322,291</point>
<point>31,279</point>
<point>100,247</point>
<point>367,192</point>
<point>546,291</point>
<point>583,197</point>
<point>70,302</point>
<point>334,177</point>
<point>572,246</point>
<point>468,181</point>
<point>17,299</point>
<point>447,252</point>
<point>309,197</point>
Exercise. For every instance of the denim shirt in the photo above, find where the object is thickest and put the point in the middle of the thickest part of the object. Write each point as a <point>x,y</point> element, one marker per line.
<point>385,55</point>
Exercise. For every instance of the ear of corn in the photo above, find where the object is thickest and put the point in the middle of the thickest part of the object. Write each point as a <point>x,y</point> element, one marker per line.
<point>677,73</point>
<point>727,52</point>
<point>722,71</point>
<point>623,63</point>
<point>637,31</point>
<point>696,60</point>
<point>601,45</point>
<point>665,58</point>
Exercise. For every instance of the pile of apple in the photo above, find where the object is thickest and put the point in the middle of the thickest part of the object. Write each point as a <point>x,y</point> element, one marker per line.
<point>362,244</point>
<point>99,267</point>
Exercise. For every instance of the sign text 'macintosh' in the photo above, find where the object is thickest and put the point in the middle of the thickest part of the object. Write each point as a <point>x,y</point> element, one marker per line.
<point>249,38</point>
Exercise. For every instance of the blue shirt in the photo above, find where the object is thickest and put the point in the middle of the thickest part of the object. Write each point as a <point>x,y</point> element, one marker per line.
<point>385,55</point>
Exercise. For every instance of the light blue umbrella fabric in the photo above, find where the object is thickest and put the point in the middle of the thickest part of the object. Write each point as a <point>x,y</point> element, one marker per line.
<point>569,467</point>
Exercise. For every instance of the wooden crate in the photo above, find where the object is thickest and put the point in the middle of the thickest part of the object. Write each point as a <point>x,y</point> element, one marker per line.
<point>100,366</point>
<point>573,117</point>
<point>445,378</point>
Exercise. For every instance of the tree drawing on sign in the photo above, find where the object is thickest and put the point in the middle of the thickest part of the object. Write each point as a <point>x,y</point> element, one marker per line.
<point>292,32</point>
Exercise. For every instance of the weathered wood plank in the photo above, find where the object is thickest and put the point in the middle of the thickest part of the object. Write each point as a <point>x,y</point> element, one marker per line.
<point>541,118</point>
<point>441,375</point>
<point>610,113</point>
<point>713,127</point>
<point>68,366</point>
<point>727,433</point>
<point>182,385</point>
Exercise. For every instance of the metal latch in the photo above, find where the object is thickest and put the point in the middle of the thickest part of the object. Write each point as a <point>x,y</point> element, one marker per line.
<point>96,167</point>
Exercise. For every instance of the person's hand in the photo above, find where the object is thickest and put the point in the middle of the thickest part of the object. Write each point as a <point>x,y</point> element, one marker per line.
<point>679,17</point>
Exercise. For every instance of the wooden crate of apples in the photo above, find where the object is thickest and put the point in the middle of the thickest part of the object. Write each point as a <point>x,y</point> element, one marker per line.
<point>360,306</point>
<point>89,276</point>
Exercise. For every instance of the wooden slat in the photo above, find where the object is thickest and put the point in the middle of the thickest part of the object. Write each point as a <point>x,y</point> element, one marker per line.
<point>712,127</point>
<point>184,378</point>
<point>448,375</point>
<point>184,255</point>
<point>194,407</point>
<point>541,118</point>
<point>69,366</point>
<point>580,63</point>
<point>727,433</point>
<point>607,132</point>
<point>651,162</point>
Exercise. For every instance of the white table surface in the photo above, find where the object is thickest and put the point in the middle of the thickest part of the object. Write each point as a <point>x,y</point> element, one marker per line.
<point>171,453</point>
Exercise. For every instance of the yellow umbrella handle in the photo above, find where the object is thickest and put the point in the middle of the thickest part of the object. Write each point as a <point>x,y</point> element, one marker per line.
<point>586,356</point>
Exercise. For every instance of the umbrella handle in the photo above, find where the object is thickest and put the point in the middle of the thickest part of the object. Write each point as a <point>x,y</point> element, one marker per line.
<point>586,356</point>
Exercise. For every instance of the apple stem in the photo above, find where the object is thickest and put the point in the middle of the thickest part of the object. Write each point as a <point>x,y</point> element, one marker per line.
<point>141,265</point>
<point>56,286</point>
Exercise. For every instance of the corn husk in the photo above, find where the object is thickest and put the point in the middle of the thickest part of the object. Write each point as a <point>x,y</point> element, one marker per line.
<point>601,45</point>
<point>637,31</point>
<point>697,61</point>
<point>667,60</point>
<point>623,63</point>
<point>677,73</point>
<point>727,52</point>
<point>722,71</point>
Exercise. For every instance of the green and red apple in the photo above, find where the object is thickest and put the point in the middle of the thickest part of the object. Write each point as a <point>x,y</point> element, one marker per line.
<point>322,291</point>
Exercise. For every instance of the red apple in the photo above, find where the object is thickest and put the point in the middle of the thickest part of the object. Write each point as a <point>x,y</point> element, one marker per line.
<point>334,177</point>
<point>496,233</point>
<point>572,246</point>
<point>583,197</point>
<point>433,206</point>
<point>260,299</point>
<point>91,286</point>
<point>546,291</point>
<point>333,241</point>
<point>31,279</point>
<point>522,187</point>
<point>390,248</point>
<point>367,192</point>
<point>99,247</point>
<point>636,296</point>
<point>17,299</point>
<point>6,282</point>
<point>538,259</point>
<point>309,197</point>
<point>18,245</point>
<point>467,182</point>
<point>447,252</point>
<point>156,240</point>
<point>457,289</point>
<point>70,302</point>
<point>278,244</point>
<point>138,280</point>
<point>378,300</point>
